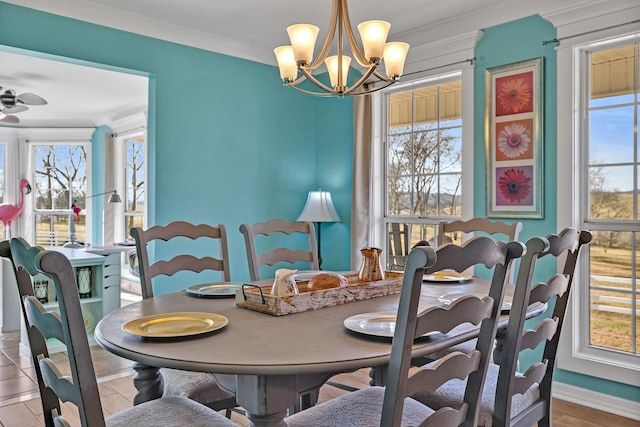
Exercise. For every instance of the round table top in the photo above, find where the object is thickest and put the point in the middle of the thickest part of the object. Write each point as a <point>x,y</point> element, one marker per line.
<point>256,343</point>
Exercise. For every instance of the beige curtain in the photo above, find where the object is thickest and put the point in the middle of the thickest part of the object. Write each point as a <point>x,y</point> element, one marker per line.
<point>109,184</point>
<point>361,200</point>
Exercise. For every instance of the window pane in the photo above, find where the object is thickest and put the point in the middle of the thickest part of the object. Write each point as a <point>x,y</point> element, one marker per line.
<point>449,195</point>
<point>399,202</point>
<point>612,291</point>
<point>135,190</point>
<point>611,193</point>
<point>611,135</point>
<point>53,230</point>
<point>132,221</point>
<point>611,76</point>
<point>402,237</point>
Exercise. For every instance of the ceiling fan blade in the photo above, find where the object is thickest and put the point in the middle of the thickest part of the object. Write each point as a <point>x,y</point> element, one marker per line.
<point>15,109</point>
<point>10,119</point>
<point>31,99</point>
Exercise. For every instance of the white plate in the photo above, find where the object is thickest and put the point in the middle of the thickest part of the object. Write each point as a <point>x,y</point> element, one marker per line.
<point>450,298</point>
<point>447,276</point>
<point>214,290</point>
<point>379,324</point>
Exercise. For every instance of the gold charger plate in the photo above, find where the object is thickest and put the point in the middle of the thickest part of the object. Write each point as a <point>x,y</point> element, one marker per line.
<point>447,276</point>
<point>178,324</point>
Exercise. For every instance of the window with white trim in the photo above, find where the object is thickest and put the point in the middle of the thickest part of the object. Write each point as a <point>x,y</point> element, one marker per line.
<point>135,194</point>
<point>610,111</point>
<point>60,176</point>
<point>423,158</point>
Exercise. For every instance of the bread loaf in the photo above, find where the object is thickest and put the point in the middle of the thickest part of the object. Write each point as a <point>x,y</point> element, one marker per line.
<point>327,281</point>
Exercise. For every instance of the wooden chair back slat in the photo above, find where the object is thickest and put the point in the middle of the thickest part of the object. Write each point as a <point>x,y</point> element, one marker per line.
<point>484,225</point>
<point>216,236</point>
<point>270,257</point>
<point>48,323</point>
<point>454,365</point>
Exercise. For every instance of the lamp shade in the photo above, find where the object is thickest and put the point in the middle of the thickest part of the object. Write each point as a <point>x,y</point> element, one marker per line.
<point>319,208</point>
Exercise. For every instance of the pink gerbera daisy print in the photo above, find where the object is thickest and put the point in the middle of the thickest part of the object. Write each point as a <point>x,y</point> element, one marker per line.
<point>514,185</point>
<point>514,140</point>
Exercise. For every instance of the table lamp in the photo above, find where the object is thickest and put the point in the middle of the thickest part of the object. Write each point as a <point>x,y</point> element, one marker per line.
<point>73,243</point>
<point>319,208</point>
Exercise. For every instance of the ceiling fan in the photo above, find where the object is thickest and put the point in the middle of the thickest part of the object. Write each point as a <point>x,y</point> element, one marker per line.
<point>11,103</point>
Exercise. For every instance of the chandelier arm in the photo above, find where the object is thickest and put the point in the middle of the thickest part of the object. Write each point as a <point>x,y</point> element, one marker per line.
<point>308,92</point>
<point>374,89</point>
<point>383,77</point>
<point>362,80</point>
<point>357,53</point>
<point>317,82</point>
<point>328,41</point>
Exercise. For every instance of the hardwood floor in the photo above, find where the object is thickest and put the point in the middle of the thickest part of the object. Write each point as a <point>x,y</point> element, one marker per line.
<point>20,405</point>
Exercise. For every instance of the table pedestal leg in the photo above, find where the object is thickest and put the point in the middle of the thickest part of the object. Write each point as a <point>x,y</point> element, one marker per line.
<point>149,383</point>
<point>266,399</point>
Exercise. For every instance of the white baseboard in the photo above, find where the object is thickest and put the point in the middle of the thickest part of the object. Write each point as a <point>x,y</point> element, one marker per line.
<point>593,399</point>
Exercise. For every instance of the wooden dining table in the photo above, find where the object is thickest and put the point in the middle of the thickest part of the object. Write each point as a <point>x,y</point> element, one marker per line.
<point>273,359</point>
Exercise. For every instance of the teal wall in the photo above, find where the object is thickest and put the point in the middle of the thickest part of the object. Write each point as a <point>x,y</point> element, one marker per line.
<point>505,44</point>
<point>227,143</point>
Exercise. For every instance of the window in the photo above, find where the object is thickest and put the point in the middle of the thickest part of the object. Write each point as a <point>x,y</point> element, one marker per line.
<point>60,175</point>
<point>423,151</point>
<point>134,183</point>
<point>609,185</point>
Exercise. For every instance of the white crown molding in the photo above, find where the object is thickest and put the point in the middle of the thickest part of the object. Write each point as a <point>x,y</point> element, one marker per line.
<point>593,399</point>
<point>55,134</point>
<point>442,53</point>
<point>113,18</point>
<point>592,15</point>
<point>435,33</point>
<point>125,124</point>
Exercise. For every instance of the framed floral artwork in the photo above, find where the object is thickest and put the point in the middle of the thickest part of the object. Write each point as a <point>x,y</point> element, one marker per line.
<point>513,133</point>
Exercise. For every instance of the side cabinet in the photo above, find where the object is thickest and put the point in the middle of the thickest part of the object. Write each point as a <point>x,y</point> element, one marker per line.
<point>111,280</point>
<point>90,277</point>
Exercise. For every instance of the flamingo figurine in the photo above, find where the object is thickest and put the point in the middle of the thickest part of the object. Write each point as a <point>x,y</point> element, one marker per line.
<point>9,212</point>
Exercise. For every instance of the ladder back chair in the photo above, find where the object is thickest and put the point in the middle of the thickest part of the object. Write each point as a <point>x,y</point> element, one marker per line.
<point>199,386</point>
<point>390,406</point>
<point>37,342</point>
<point>257,256</point>
<point>81,388</point>
<point>512,398</point>
<point>511,231</point>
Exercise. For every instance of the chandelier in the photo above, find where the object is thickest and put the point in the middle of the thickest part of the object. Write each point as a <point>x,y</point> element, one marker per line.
<point>299,56</point>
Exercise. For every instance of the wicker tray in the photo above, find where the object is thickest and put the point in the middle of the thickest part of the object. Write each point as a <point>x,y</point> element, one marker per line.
<point>258,297</point>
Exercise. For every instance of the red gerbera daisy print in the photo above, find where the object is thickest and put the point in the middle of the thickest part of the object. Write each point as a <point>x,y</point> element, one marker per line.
<point>514,94</point>
<point>514,186</point>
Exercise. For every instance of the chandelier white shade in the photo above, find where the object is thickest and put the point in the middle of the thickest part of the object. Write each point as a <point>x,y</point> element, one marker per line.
<point>298,58</point>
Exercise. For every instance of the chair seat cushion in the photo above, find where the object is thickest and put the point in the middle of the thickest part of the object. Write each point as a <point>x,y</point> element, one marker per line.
<point>453,391</point>
<point>199,386</point>
<point>362,408</point>
<point>174,411</point>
